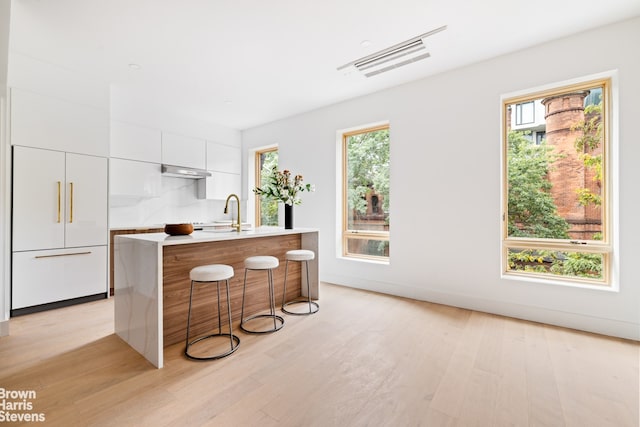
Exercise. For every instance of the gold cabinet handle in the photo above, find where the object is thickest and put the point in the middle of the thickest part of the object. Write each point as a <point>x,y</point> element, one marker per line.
<point>59,255</point>
<point>59,202</point>
<point>71,203</point>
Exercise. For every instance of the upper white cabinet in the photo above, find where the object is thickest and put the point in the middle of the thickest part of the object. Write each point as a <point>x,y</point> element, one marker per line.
<point>132,179</point>
<point>224,163</point>
<point>135,142</point>
<point>219,185</point>
<point>45,122</point>
<point>223,158</point>
<point>59,199</point>
<point>180,150</point>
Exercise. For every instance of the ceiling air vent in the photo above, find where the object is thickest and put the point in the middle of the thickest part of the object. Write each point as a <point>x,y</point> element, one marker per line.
<point>392,57</point>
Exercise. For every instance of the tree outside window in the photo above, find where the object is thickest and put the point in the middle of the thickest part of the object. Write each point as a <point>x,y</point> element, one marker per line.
<point>366,193</point>
<point>266,210</point>
<point>556,221</point>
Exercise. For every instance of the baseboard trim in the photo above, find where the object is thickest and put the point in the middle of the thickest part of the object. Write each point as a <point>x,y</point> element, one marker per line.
<point>57,304</point>
<point>581,322</point>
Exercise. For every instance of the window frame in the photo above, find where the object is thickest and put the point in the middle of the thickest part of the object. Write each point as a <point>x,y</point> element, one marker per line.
<point>257,175</point>
<point>604,247</point>
<point>519,107</point>
<point>347,233</point>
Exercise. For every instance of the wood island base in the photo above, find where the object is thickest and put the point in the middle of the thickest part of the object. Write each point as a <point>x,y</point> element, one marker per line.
<point>151,279</point>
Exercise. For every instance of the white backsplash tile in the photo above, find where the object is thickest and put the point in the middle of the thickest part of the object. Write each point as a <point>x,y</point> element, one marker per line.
<point>177,203</point>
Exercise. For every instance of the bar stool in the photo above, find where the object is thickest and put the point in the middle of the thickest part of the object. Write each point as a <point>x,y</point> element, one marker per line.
<point>267,263</point>
<point>209,274</point>
<point>306,256</point>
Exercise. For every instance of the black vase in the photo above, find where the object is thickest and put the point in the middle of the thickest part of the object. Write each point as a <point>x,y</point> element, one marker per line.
<point>288,216</point>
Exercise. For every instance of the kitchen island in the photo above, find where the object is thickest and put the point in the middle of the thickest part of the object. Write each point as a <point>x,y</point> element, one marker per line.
<point>151,279</point>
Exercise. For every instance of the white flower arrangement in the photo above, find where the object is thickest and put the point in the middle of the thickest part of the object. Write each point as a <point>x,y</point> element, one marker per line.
<point>282,188</point>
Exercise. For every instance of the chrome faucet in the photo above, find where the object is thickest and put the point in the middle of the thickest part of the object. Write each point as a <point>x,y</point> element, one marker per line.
<point>237,226</point>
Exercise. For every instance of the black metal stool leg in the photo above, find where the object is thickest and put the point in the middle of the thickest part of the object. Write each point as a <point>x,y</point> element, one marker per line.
<point>312,304</point>
<point>232,338</point>
<point>306,266</point>
<point>244,290</point>
<point>284,292</point>
<point>272,307</point>
<point>229,315</point>
<point>186,348</point>
<point>219,315</point>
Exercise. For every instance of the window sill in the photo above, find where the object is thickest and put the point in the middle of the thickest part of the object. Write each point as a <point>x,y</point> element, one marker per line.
<point>364,260</point>
<point>565,283</point>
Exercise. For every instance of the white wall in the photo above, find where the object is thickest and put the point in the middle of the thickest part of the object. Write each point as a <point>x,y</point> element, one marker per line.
<point>5,8</point>
<point>445,183</point>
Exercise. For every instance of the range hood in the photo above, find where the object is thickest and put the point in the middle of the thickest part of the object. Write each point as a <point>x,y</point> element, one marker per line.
<point>184,172</point>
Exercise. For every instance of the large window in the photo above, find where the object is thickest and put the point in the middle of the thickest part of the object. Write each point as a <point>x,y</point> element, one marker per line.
<point>556,194</point>
<point>365,204</point>
<point>266,210</point>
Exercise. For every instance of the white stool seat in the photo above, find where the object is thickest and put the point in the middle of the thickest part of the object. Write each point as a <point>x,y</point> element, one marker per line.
<point>211,273</point>
<point>300,255</point>
<point>261,262</point>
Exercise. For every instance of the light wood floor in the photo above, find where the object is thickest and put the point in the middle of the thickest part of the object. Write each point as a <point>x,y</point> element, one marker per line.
<point>364,360</point>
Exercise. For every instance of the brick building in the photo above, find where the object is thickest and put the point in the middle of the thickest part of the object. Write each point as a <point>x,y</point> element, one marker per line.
<point>554,120</point>
<point>562,113</point>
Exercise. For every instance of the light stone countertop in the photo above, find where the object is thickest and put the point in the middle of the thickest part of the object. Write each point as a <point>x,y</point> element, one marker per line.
<point>136,227</point>
<point>164,239</point>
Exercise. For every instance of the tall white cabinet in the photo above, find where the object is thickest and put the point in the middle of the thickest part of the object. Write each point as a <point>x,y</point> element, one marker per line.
<point>59,226</point>
<point>60,203</point>
<point>58,199</point>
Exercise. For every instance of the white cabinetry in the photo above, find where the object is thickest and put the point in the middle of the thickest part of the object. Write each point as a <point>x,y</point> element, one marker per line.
<point>59,223</point>
<point>134,142</point>
<point>180,150</point>
<point>223,158</point>
<point>131,179</point>
<point>38,199</point>
<point>225,164</point>
<point>45,122</point>
<point>59,199</point>
<point>86,200</point>
<point>41,277</point>
<point>219,185</point>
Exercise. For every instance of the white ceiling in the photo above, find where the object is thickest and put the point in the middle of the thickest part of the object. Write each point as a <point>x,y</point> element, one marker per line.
<point>241,63</point>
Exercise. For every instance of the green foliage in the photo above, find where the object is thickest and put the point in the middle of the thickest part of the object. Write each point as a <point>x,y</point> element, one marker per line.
<point>574,264</point>
<point>268,208</point>
<point>282,187</point>
<point>368,168</point>
<point>531,260</point>
<point>531,209</point>
<point>586,197</point>
<point>590,139</point>
<point>591,129</point>
<point>579,264</point>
